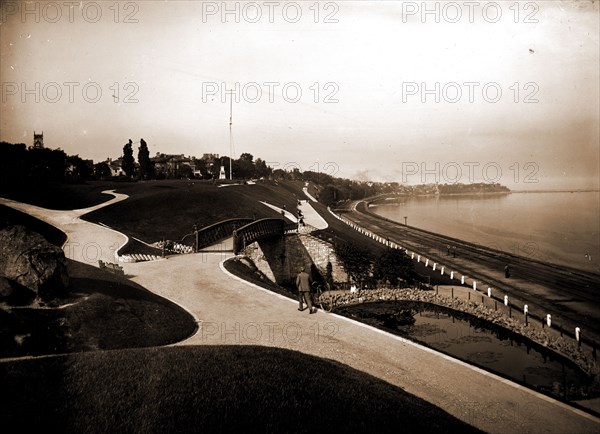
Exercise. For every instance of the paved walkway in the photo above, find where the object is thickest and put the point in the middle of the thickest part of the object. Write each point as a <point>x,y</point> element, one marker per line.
<point>311,216</point>
<point>86,242</point>
<point>230,311</point>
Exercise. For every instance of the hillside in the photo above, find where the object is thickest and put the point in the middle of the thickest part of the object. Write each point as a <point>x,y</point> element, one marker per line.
<point>169,209</point>
<point>207,389</point>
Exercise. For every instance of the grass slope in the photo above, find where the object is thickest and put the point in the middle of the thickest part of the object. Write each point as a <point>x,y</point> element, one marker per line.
<point>62,196</point>
<point>101,311</point>
<point>207,389</point>
<point>169,209</point>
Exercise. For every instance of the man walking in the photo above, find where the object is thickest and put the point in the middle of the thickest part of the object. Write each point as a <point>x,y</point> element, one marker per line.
<point>303,282</point>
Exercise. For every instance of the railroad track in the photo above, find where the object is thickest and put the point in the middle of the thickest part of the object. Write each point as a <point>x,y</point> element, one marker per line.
<point>571,296</point>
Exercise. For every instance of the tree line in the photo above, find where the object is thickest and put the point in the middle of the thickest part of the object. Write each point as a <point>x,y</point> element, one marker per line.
<point>20,164</point>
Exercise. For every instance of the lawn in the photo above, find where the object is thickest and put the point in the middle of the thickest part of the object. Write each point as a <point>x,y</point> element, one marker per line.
<point>62,196</point>
<point>101,311</point>
<point>207,389</point>
<point>169,209</point>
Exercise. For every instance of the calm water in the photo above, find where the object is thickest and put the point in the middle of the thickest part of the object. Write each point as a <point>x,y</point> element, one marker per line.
<point>556,227</point>
<point>477,342</point>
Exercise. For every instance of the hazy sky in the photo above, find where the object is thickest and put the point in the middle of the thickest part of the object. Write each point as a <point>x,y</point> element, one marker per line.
<point>369,74</point>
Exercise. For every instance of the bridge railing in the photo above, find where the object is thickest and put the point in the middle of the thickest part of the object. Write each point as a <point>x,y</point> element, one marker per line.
<point>256,230</point>
<point>214,233</point>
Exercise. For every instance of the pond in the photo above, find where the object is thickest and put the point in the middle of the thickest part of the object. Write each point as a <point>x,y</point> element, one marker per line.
<point>479,343</point>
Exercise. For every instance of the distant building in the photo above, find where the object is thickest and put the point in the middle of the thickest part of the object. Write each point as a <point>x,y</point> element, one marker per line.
<point>169,165</point>
<point>38,140</point>
<point>116,166</point>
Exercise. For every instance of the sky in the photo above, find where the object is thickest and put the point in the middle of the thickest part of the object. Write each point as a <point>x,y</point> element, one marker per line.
<point>412,92</point>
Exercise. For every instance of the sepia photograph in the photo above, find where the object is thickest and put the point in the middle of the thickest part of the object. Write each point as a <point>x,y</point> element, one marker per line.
<point>300,216</point>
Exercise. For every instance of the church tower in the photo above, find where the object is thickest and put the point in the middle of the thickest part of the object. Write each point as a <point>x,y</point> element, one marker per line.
<point>38,140</point>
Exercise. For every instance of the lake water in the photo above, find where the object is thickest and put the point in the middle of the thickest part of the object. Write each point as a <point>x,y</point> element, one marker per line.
<point>558,227</point>
<point>478,342</point>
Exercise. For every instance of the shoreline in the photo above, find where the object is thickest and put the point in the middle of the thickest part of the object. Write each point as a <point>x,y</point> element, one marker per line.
<point>541,285</point>
<point>568,266</point>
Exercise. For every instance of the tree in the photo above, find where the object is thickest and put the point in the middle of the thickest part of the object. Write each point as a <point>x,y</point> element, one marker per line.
<point>329,195</point>
<point>146,169</point>
<point>128,161</point>
<point>247,157</point>
<point>244,166</point>
<point>393,265</point>
<point>185,171</point>
<point>102,170</point>
<point>356,260</point>
<point>261,169</point>
<point>47,164</point>
<point>77,169</point>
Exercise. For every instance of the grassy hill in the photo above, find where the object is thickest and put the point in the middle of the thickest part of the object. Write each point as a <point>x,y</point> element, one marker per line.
<point>207,389</point>
<point>169,209</point>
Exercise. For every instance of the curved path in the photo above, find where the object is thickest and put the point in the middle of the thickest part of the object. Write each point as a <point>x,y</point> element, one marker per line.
<point>86,242</point>
<point>234,312</point>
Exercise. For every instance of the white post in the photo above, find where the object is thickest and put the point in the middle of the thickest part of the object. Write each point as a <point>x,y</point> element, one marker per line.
<point>434,265</point>
<point>577,330</point>
<point>525,309</point>
<point>412,255</point>
<point>549,320</point>
<point>474,286</point>
<point>506,300</point>
<point>418,258</point>
<point>452,275</point>
<point>426,262</point>
<point>462,280</point>
<point>489,292</point>
<point>442,272</point>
